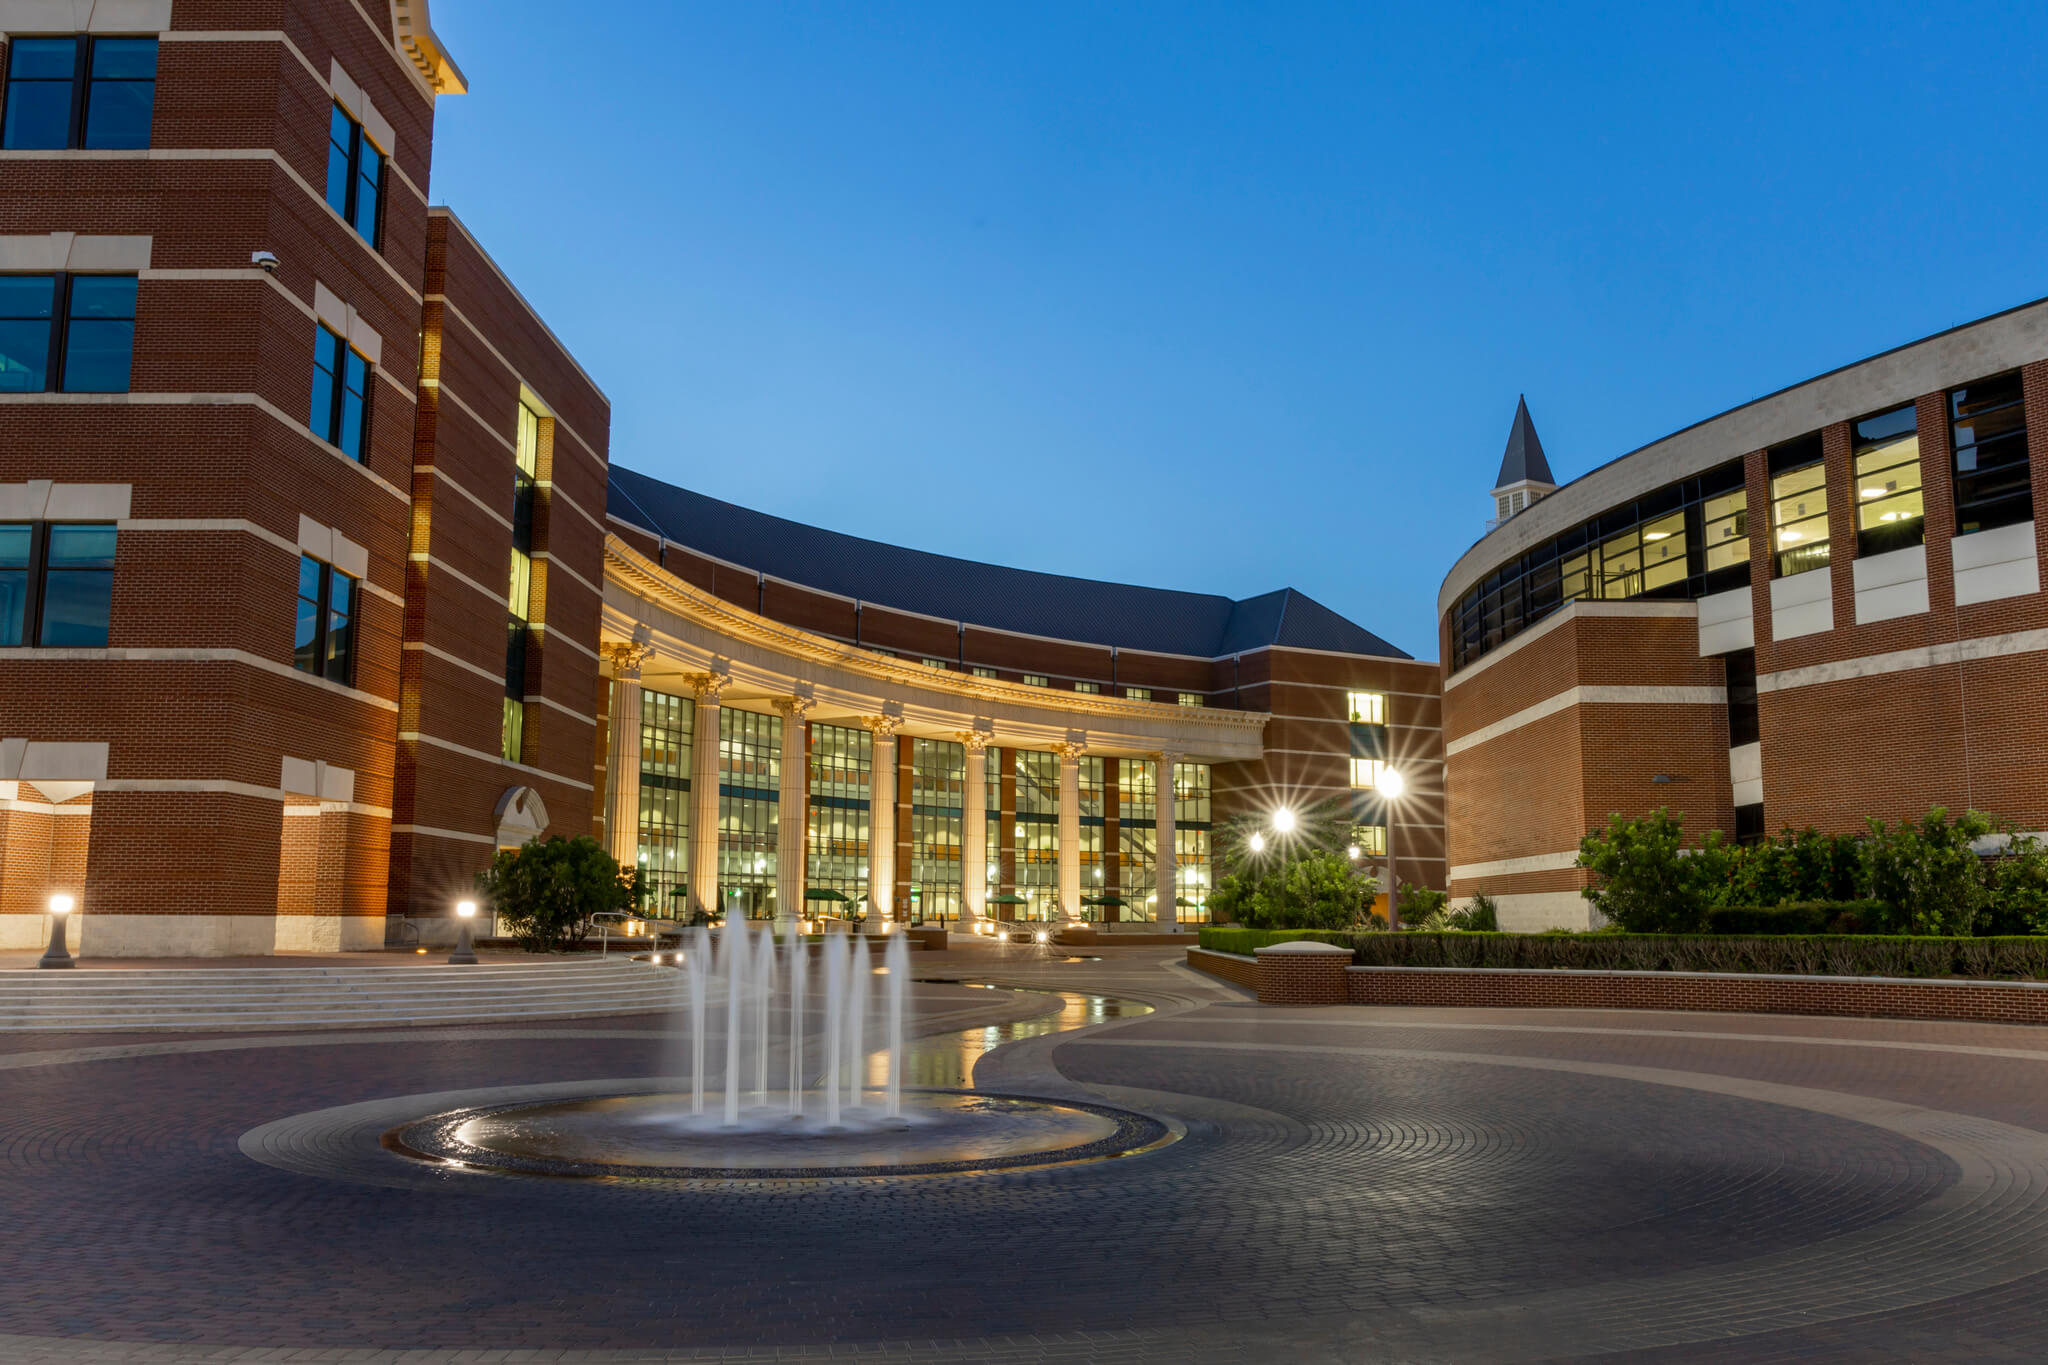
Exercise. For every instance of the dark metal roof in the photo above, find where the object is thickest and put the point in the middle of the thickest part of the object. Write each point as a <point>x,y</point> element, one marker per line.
<point>1053,605</point>
<point>1523,459</point>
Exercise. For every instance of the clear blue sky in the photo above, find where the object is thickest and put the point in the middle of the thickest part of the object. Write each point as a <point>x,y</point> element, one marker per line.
<point>1225,297</point>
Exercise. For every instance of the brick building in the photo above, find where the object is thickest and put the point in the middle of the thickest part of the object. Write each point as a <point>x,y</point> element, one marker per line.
<point>1872,647</point>
<point>316,589</point>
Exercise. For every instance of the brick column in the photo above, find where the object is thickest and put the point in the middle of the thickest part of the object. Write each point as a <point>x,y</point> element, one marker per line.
<point>704,793</point>
<point>1302,972</point>
<point>882,821</point>
<point>792,829</point>
<point>1070,828</point>
<point>1164,854</point>
<point>974,829</point>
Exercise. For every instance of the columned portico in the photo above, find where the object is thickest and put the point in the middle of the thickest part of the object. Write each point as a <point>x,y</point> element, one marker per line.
<point>792,843</point>
<point>1163,859</point>
<point>704,793</point>
<point>622,754</point>
<point>974,827</point>
<point>882,820</point>
<point>1070,828</point>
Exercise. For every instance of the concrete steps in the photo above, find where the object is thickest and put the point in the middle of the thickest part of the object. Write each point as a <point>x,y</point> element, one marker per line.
<point>201,998</point>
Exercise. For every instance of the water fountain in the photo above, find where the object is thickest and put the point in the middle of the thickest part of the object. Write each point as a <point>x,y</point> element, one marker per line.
<point>830,1027</point>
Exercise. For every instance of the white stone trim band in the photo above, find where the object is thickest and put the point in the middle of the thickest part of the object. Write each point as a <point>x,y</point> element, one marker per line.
<point>1588,696</point>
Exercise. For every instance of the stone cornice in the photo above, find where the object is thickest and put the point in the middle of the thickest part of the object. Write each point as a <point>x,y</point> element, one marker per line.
<point>644,578</point>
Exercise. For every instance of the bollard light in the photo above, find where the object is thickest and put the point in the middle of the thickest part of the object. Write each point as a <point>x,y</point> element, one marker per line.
<point>57,954</point>
<point>465,948</point>
<point>1044,937</point>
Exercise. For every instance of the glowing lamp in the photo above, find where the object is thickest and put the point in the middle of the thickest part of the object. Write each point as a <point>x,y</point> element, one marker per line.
<point>1283,821</point>
<point>1391,783</point>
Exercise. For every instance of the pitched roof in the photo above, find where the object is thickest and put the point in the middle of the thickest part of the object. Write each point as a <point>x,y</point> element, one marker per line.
<point>1523,459</point>
<point>1060,607</point>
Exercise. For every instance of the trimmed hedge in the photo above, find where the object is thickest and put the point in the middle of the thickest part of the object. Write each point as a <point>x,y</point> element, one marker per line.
<point>1796,955</point>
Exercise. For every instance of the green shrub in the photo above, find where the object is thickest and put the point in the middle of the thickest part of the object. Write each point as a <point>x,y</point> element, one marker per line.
<point>1929,870</point>
<point>1798,866</point>
<point>546,890</point>
<point>1801,917</point>
<point>2017,902</point>
<point>1419,904</point>
<point>1320,889</point>
<point>1248,941</point>
<point>1644,878</point>
<point>1799,955</point>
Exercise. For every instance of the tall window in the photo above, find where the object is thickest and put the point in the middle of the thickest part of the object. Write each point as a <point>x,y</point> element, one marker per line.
<point>1988,431</point>
<point>1137,812</point>
<point>78,92</point>
<point>842,770</point>
<point>1889,512</point>
<point>665,725</point>
<point>56,584</point>
<point>340,413</point>
<point>749,775</point>
<point>324,643</point>
<point>1368,708</point>
<point>355,175</point>
<point>1191,841</point>
<point>66,333</point>
<point>519,581</point>
<point>1036,830</point>
<point>1365,772</point>
<point>1799,507</point>
<point>1369,840</point>
<point>938,779</point>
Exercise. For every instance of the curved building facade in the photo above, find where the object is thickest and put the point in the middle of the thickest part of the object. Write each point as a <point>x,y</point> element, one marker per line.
<point>952,739</point>
<point>1822,606</point>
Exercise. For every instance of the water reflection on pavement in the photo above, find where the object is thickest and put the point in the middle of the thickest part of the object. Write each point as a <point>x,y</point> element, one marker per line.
<point>947,1059</point>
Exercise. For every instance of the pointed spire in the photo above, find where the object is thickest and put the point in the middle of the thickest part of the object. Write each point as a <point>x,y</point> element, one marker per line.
<point>1522,461</point>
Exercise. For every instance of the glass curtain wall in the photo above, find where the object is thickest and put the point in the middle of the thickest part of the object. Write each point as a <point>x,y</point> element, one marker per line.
<point>1687,540</point>
<point>841,782</point>
<point>749,771</point>
<point>1096,773</point>
<point>665,726</point>
<point>938,781</point>
<point>1037,824</point>
<point>1191,841</point>
<point>1137,830</point>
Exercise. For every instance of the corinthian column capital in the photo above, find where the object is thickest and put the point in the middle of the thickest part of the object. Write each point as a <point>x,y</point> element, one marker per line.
<point>794,709</point>
<point>625,656</point>
<point>884,728</point>
<point>709,686</point>
<point>976,741</point>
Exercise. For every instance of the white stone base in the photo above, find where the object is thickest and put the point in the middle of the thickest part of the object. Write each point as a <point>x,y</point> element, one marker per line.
<point>329,933</point>
<point>178,935</point>
<point>33,931</point>
<point>1531,912</point>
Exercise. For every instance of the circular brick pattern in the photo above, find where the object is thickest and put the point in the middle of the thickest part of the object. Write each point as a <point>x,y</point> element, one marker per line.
<point>1363,1197</point>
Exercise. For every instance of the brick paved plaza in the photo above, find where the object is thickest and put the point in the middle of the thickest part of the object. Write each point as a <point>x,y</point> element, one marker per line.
<point>1351,1184</point>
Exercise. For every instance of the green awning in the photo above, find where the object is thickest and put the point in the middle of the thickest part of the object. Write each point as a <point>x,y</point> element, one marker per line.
<point>820,893</point>
<point>1007,899</point>
<point>1104,900</point>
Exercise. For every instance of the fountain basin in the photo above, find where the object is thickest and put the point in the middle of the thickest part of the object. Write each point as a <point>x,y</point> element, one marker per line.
<point>657,1137</point>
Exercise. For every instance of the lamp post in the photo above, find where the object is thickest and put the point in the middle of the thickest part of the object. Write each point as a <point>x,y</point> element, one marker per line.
<point>58,955</point>
<point>465,949</point>
<point>1283,828</point>
<point>1390,786</point>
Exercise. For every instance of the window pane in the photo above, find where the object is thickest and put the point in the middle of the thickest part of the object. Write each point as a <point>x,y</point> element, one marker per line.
<point>350,437</point>
<point>39,86</point>
<point>1887,461</point>
<point>82,547</point>
<point>341,636</point>
<point>368,174</point>
<point>321,414</point>
<point>98,357</point>
<point>1965,403</point>
<point>306,630</point>
<point>341,131</point>
<point>124,59</point>
<point>13,603</point>
<point>519,597</point>
<point>24,356</point>
<point>110,297</point>
<point>117,113</point>
<point>76,604</point>
<point>1799,516</point>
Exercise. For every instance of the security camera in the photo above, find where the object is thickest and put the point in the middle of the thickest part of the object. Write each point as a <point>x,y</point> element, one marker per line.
<point>266,259</point>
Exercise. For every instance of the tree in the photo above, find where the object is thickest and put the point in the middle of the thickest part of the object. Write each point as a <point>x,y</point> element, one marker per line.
<point>1802,865</point>
<point>546,890</point>
<point>1321,889</point>
<point>2018,902</point>
<point>1646,881</point>
<point>1930,870</point>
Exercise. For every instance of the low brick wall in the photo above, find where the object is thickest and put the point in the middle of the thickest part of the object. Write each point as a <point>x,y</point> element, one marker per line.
<point>1998,1002</point>
<point>1237,970</point>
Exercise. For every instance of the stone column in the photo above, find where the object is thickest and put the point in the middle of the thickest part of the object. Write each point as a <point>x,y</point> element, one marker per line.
<point>1164,855</point>
<point>622,755</point>
<point>792,830</point>
<point>974,828</point>
<point>1070,828</point>
<point>704,793</point>
<point>882,821</point>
